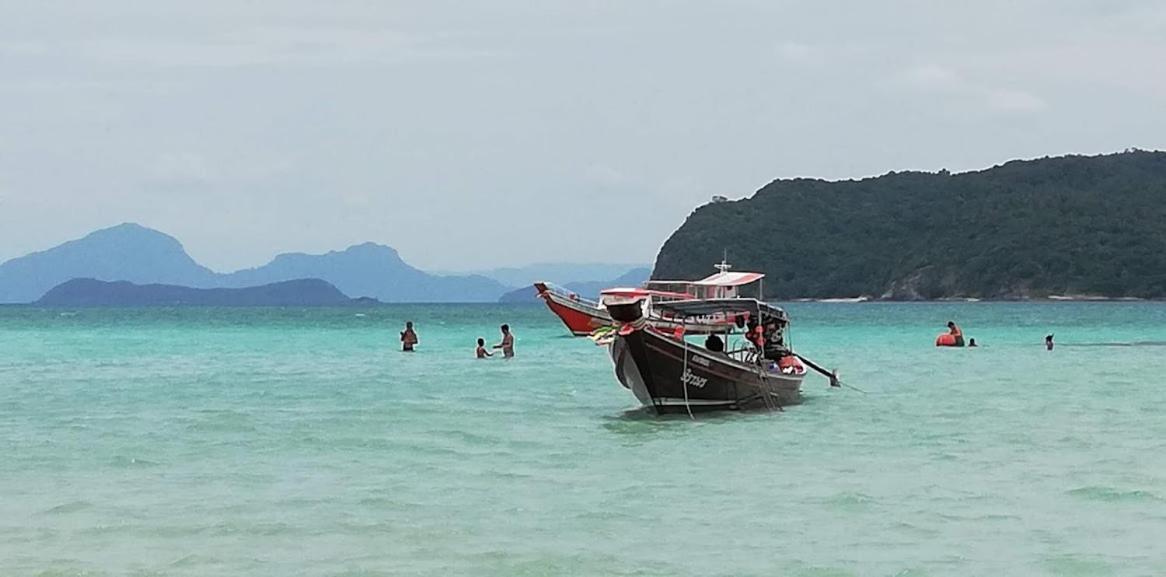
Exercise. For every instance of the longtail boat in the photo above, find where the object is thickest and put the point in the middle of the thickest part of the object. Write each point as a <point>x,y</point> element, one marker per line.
<point>670,374</point>
<point>582,315</point>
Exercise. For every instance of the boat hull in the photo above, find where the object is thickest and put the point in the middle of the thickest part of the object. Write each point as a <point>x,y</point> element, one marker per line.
<point>581,318</point>
<point>670,377</point>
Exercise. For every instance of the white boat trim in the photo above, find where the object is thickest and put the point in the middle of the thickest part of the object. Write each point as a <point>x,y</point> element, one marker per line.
<point>674,402</point>
<point>585,307</point>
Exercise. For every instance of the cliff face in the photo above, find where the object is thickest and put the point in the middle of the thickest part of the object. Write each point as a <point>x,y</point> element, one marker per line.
<point>1067,225</point>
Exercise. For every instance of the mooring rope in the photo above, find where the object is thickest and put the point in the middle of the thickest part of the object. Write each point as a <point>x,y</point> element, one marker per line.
<point>684,373</point>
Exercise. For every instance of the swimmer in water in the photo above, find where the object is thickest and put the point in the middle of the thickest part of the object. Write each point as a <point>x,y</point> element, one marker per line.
<point>507,344</point>
<point>1049,342</point>
<point>408,337</point>
<point>481,351</point>
<point>955,331</point>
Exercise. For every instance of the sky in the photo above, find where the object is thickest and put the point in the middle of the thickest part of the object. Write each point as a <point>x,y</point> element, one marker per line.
<point>470,134</point>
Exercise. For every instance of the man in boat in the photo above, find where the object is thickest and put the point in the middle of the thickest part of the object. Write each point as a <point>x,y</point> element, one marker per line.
<point>774,336</point>
<point>714,344</point>
<point>408,337</point>
<point>507,344</point>
<point>955,333</point>
<point>755,335</point>
<point>775,349</point>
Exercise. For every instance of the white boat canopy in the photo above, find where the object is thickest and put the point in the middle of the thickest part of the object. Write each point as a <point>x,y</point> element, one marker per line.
<point>729,307</point>
<point>721,285</point>
<point>730,279</point>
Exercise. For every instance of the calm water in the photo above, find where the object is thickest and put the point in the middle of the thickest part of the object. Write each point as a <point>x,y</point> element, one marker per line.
<point>288,442</point>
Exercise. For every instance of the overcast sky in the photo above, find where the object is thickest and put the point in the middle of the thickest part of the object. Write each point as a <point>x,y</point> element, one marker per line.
<point>474,134</point>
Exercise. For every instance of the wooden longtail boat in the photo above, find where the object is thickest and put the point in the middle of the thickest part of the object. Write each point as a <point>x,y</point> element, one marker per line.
<point>670,374</point>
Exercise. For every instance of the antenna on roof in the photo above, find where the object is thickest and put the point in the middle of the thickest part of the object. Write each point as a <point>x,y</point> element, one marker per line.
<point>724,266</point>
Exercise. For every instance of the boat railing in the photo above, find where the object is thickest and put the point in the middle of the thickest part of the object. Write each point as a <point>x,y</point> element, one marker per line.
<point>676,287</point>
<point>747,355</point>
<point>568,294</point>
<point>745,358</point>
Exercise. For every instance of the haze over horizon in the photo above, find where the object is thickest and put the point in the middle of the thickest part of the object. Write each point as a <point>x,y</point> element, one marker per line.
<point>472,136</point>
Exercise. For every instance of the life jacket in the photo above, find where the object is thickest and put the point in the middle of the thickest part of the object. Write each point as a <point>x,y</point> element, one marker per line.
<point>790,364</point>
<point>756,336</point>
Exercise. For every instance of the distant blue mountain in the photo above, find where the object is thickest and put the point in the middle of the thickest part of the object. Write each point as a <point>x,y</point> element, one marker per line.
<point>590,289</point>
<point>140,255</point>
<point>564,272</point>
<point>89,292</point>
<point>370,270</point>
<point>126,252</point>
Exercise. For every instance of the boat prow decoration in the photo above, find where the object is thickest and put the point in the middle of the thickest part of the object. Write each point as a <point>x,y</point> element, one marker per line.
<point>581,315</point>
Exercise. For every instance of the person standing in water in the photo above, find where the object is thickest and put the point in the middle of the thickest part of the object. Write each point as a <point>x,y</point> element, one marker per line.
<point>481,351</point>
<point>956,333</point>
<point>409,337</point>
<point>1049,342</point>
<point>507,344</point>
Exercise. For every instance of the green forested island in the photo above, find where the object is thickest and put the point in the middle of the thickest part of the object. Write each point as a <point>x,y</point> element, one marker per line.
<point>1073,225</point>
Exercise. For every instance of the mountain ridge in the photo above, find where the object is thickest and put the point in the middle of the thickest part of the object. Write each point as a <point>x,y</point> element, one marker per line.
<point>561,272</point>
<point>588,289</point>
<point>1083,225</point>
<point>137,254</point>
<point>127,251</point>
<point>84,292</point>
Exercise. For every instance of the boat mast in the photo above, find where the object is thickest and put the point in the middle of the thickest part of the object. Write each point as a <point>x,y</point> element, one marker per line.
<point>724,268</point>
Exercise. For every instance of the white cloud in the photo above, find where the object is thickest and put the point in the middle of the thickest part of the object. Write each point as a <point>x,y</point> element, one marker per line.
<point>798,53</point>
<point>23,49</point>
<point>313,46</point>
<point>321,124</point>
<point>936,78</point>
<point>945,80</point>
<point>180,170</point>
<point>608,176</point>
<point>1014,101</point>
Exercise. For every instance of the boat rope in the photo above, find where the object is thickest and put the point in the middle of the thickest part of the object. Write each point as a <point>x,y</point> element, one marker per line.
<point>770,401</point>
<point>684,373</point>
<point>853,388</point>
<point>766,392</point>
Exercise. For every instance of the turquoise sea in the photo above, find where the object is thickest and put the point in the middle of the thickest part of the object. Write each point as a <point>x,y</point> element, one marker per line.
<point>242,442</point>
